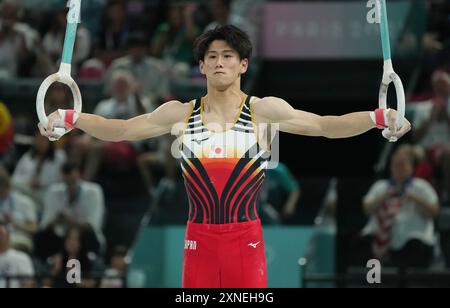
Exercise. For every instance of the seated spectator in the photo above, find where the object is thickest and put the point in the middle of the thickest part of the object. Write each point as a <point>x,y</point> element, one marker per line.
<point>74,249</point>
<point>402,209</point>
<point>19,212</point>
<point>13,263</point>
<point>113,36</point>
<point>72,203</point>
<point>92,69</point>
<point>53,40</point>
<point>173,40</point>
<point>436,39</point>
<point>150,73</point>
<point>38,168</point>
<point>432,131</point>
<point>125,104</point>
<point>13,45</point>
<point>114,276</point>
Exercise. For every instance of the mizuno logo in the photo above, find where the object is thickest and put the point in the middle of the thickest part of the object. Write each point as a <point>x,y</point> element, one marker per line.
<point>199,142</point>
<point>254,245</point>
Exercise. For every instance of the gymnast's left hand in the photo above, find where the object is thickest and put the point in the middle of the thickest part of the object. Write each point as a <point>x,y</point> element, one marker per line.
<point>393,130</point>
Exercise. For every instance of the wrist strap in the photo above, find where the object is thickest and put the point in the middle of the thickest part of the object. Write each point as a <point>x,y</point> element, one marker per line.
<point>379,117</point>
<point>70,118</point>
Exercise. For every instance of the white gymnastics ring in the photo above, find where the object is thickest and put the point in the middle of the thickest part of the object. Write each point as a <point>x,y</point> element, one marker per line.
<point>389,76</point>
<point>63,76</point>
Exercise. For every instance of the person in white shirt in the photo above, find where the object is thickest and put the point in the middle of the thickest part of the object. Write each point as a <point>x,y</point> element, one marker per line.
<point>151,74</point>
<point>72,203</point>
<point>401,210</point>
<point>15,266</point>
<point>432,122</point>
<point>38,168</point>
<point>125,103</point>
<point>19,212</point>
<point>53,41</point>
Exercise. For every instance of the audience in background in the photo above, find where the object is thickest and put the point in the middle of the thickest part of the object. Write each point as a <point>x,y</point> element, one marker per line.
<point>38,168</point>
<point>74,249</point>
<point>402,210</point>
<point>19,212</point>
<point>73,202</point>
<point>150,73</point>
<point>173,40</point>
<point>13,263</point>
<point>432,131</point>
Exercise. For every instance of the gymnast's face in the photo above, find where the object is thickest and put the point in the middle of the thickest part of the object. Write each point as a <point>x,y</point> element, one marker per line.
<point>222,65</point>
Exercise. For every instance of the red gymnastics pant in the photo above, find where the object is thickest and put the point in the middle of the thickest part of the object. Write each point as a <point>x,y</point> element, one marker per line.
<point>224,256</point>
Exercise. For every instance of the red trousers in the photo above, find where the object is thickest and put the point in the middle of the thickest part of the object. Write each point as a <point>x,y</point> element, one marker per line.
<point>224,256</point>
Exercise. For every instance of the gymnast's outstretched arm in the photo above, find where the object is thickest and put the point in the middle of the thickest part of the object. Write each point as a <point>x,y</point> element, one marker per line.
<point>157,123</point>
<point>277,110</point>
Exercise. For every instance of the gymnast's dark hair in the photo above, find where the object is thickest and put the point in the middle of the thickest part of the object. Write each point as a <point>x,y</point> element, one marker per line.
<point>235,37</point>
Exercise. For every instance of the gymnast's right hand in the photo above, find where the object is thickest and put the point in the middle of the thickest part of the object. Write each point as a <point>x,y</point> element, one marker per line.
<point>60,123</point>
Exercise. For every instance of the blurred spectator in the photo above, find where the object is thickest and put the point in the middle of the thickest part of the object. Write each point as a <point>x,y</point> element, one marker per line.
<point>90,12</point>
<point>92,69</point>
<point>13,263</point>
<point>125,103</point>
<point>438,34</point>
<point>38,168</point>
<point>53,41</point>
<point>13,45</point>
<point>74,249</point>
<point>113,37</point>
<point>173,40</point>
<point>435,42</point>
<point>149,72</point>
<point>19,212</point>
<point>222,14</point>
<point>145,15</point>
<point>401,209</point>
<point>114,276</point>
<point>279,195</point>
<point>72,203</point>
<point>432,130</point>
